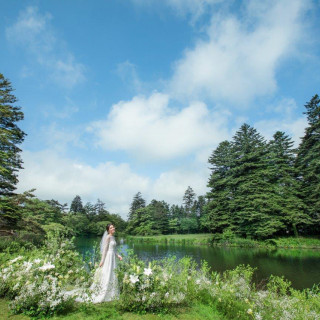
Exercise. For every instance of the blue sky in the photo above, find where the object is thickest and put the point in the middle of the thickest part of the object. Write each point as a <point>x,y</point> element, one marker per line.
<point>122,96</point>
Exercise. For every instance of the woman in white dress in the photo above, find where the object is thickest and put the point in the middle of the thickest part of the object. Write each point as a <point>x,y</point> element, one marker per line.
<point>105,284</point>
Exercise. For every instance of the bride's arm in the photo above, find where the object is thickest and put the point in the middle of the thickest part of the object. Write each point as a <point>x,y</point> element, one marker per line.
<point>106,248</point>
<point>118,255</point>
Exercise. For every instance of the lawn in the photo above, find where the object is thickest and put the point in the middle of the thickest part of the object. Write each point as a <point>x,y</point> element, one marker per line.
<point>109,311</point>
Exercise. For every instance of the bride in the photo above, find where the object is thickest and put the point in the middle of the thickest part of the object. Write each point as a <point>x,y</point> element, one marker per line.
<point>105,284</point>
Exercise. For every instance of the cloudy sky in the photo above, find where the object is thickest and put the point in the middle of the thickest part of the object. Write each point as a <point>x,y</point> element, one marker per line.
<point>122,96</point>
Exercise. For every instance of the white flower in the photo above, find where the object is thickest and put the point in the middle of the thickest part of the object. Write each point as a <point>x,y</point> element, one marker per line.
<point>147,271</point>
<point>27,265</point>
<point>166,295</point>
<point>16,259</point>
<point>47,266</point>
<point>134,278</point>
<point>198,281</point>
<point>249,311</point>
<point>37,261</point>
<point>258,316</point>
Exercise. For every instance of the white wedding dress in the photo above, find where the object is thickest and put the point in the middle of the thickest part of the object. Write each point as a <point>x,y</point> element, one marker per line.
<point>105,283</point>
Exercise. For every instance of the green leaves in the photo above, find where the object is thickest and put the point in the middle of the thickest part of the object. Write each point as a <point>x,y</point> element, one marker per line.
<point>254,191</point>
<point>10,136</point>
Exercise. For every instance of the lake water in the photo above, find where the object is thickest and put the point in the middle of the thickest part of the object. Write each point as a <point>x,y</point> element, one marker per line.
<point>301,267</point>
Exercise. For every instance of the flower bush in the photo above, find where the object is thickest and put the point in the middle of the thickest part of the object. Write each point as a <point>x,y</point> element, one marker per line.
<point>37,280</point>
<point>159,285</point>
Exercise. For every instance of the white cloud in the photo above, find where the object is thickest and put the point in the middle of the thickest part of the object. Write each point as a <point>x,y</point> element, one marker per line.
<point>238,59</point>
<point>183,7</point>
<point>284,119</point>
<point>33,31</point>
<point>128,74</point>
<point>171,185</point>
<point>55,176</point>
<point>149,128</point>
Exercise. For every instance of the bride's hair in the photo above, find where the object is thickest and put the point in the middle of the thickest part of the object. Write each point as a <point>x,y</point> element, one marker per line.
<point>108,226</point>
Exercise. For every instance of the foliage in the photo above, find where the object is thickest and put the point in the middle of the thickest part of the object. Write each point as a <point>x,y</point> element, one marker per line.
<point>137,203</point>
<point>10,136</point>
<point>35,280</point>
<point>254,191</point>
<point>163,284</point>
<point>158,285</point>
<point>76,205</point>
<point>308,163</point>
<point>188,201</point>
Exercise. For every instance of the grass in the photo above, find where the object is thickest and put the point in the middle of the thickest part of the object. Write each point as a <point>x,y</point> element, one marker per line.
<point>300,242</point>
<point>208,239</point>
<point>196,239</point>
<point>109,311</point>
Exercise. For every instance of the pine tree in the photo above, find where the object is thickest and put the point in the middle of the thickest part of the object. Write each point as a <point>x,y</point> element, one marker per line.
<point>218,209</point>
<point>308,162</point>
<point>287,203</point>
<point>188,201</point>
<point>76,205</point>
<point>10,136</point>
<point>100,207</point>
<point>137,203</point>
<point>252,205</point>
<point>160,216</point>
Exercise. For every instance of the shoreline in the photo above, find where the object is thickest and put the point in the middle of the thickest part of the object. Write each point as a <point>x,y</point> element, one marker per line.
<point>208,239</point>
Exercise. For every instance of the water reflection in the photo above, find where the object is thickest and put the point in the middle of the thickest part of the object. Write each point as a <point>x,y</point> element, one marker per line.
<point>301,267</point>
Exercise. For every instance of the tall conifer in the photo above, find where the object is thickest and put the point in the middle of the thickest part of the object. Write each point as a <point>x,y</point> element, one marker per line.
<point>308,162</point>
<point>10,136</point>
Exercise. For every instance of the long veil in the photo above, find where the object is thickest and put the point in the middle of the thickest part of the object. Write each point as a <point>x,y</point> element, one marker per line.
<point>103,241</point>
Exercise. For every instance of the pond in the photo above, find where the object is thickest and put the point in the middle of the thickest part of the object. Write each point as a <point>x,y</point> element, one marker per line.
<point>301,267</point>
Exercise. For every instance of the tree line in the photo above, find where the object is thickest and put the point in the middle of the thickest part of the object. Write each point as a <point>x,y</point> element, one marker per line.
<point>257,189</point>
<point>158,217</point>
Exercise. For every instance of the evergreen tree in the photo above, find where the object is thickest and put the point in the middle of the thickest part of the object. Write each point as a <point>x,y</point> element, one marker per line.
<point>188,201</point>
<point>89,209</point>
<point>286,199</point>
<point>100,207</point>
<point>10,136</point>
<point>76,205</point>
<point>137,203</point>
<point>252,204</point>
<point>308,162</point>
<point>219,209</point>
<point>160,216</point>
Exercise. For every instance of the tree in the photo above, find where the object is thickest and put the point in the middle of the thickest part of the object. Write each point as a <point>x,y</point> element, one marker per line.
<point>89,209</point>
<point>100,207</point>
<point>188,201</point>
<point>286,187</point>
<point>160,216</point>
<point>76,205</point>
<point>137,203</point>
<point>10,136</point>
<point>308,163</point>
<point>254,211</point>
<point>219,207</point>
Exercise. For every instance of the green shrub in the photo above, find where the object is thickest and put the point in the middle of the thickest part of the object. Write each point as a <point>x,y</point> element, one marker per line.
<point>36,281</point>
